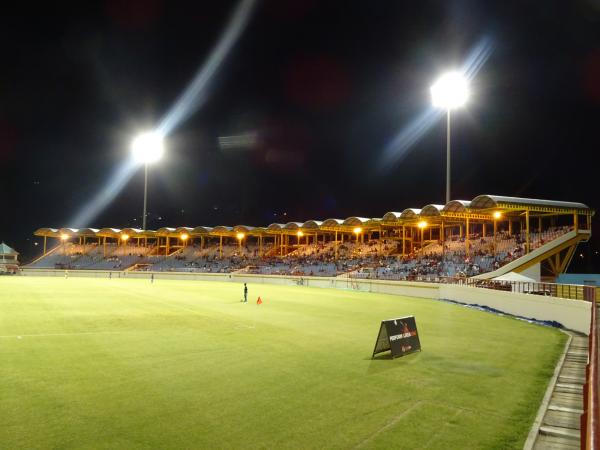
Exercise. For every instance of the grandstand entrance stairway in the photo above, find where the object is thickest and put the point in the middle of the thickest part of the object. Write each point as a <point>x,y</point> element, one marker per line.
<point>49,252</point>
<point>555,255</point>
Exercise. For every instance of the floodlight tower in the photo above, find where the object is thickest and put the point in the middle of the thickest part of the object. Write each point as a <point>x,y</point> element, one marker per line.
<point>450,91</point>
<point>147,148</point>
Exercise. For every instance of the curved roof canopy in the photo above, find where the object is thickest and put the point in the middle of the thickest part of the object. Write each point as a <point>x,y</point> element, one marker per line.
<point>222,229</point>
<point>495,201</point>
<point>109,232</point>
<point>457,206</point>
<point>332,223</point>
<point>243,229</point>
<point>391,216</point>
<point>69,231</point>
<point>132,232</point>
<point>431,210</point>
<point>167,231</point>
<point>354,221</point>
<point>476,207</point>
<point>312,224</point>
<point>48,232</point>
<point>182,231</point>
<point>410,213</point>
<point>87,232</point>
<point>201,230</point>
<point>292,225</point>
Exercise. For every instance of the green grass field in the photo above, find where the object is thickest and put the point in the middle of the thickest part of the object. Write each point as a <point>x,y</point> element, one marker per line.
<point>125,364</point>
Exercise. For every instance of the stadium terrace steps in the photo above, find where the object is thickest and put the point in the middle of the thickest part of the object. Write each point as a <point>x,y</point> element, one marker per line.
<point>560,427</point>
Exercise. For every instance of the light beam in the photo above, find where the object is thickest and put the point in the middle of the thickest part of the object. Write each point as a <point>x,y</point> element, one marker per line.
<point>195,94</point>
<point>111,189</point>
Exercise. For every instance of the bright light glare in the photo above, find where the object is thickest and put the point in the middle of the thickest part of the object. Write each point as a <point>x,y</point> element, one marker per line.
<point>450,91</point>
<point>124,237</point>
<point>240,236</point>
<point>148,147</point>
<point>300,233</point>
<point>357,230</point>
<point>422,224</point>
<point>64,237</point>
<point>184,236</point>
<point>497,214</point>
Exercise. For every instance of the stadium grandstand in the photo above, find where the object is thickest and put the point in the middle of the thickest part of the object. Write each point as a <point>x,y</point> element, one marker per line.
<point>485,237</point>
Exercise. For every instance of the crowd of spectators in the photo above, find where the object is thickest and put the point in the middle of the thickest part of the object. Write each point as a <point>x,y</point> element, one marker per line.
<point>380,259</point>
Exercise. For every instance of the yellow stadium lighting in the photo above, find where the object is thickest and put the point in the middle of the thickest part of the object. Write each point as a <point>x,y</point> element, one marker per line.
<point>422,224</point>
<point>124,237</point>
<point>184,237</point>
<point>64,237</point>
<point>357,230</point>
<point>240,236</point>
<point>300,233</point>
<point>497,214</point>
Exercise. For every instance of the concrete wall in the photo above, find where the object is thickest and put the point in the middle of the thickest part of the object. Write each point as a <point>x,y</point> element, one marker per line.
<point>573,314</point>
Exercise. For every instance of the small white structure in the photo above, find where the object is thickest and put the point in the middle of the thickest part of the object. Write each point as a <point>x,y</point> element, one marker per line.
<point>519,282</point>
<point>514,276</point>
<point>9,262</point>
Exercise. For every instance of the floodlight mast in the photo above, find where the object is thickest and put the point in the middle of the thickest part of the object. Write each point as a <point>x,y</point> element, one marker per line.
<point>450,91</point>
<point>147,148</point>
<point>145,214</point>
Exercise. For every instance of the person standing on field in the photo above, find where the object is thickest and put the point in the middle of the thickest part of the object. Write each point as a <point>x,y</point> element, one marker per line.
<point>245,293</point>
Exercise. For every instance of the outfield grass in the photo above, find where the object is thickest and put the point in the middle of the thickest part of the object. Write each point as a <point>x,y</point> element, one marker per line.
<point>183,364</point>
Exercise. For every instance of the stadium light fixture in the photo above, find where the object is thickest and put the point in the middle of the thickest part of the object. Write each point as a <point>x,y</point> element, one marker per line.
<point>147,148</point>
<point>357,231</point>
<point>497,215</point>
<point>125,237</point>
<point>240,236</point>
<point>422,224</point>
<point>450,91</point>
<point>300,233</point>
<point>184,237</point>
<point>64,237</point>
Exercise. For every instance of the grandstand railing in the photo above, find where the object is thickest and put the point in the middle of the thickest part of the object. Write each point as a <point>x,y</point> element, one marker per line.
<point>569,291</point>
<point>590,419</point>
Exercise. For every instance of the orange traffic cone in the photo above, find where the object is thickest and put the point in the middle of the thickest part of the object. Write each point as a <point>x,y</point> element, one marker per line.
<point>259,301</point>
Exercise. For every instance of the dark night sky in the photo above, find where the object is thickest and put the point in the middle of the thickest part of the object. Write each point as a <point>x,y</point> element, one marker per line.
<point>324,85</point>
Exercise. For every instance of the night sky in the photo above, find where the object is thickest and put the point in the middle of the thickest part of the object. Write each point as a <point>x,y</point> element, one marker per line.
<point>322,87</point>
